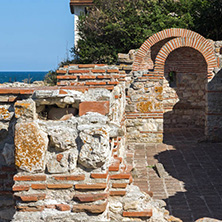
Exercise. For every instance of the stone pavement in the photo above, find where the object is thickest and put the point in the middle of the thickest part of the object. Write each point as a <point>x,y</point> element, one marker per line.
<point>193,187</point>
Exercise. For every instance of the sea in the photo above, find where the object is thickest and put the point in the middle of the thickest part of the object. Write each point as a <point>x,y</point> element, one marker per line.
<point>27,76</point>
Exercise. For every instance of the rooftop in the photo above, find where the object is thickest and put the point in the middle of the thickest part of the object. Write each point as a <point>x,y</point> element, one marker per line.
<point>74,3</point>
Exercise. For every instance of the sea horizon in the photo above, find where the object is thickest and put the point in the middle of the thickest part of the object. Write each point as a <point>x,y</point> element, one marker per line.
<point>21,76</point>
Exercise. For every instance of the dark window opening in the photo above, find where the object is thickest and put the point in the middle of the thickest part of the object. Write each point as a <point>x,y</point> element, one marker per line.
<point>172,79</point>
<point>221,50</point>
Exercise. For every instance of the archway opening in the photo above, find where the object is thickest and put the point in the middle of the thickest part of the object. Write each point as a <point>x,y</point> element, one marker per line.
<point>185,73</point>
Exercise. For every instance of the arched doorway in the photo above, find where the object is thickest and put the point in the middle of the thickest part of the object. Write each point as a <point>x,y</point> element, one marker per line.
<point>184,94</point>
<point>182,62</point>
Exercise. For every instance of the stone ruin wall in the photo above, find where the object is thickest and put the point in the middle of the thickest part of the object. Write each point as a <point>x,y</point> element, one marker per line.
<point>70,140</point>
<point>69,143</point>
<point>194,103</point>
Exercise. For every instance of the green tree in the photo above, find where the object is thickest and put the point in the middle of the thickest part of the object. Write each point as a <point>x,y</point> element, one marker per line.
<point>207,16</point>
<point>114,26</point>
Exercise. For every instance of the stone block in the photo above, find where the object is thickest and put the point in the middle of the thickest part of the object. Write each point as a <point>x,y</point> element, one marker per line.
<point>90,197</point>
<point>62,137</point>
<point>93,208</point>
<point>25,109</point>
<point>30,147</point>
<point>95,150</point>
<point>5,113</point>
<point>101,107</point>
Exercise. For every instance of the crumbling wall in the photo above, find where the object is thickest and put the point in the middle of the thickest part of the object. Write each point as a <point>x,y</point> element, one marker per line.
<point>144,109</point>
<point>69,145</point>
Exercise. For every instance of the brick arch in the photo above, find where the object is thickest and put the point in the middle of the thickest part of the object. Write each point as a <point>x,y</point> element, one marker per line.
<point>165,34</point>
<point>205,49</point>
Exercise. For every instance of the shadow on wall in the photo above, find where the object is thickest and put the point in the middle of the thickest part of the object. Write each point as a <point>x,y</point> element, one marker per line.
<point>184,93</point>
<point>7,171</point>
<point>214,111</point>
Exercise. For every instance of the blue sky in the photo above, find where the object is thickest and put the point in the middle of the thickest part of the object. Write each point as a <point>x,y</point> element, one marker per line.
<point>34,34</point>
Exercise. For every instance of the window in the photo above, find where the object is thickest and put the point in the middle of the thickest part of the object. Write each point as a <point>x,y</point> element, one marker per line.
<point>172,79</point>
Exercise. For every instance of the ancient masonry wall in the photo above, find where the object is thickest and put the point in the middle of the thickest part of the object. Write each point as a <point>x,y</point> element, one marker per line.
<point>69,140</point>
<point>69,144</point>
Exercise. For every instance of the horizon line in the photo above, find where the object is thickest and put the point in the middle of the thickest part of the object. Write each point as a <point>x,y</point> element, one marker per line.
<point>24,70</point>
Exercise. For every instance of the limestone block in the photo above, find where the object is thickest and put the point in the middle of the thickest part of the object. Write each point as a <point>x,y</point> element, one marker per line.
<point>62,137</point>
<point>30,147</point>
<point>95,150</point>
<point>97,95</point>
<point>90,118</point>
<point>5,113</point>
<point>115,207</point>
<point>62,162</point>
<point>8,153</point>
<point>25,109</point>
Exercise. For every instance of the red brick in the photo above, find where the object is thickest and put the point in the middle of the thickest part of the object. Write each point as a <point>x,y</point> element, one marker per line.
<point>98,70</point>
<point>104,77</point>
<point>101,107</point>
<point>71,177</point>
<point>95,83</point>
<point>67,77</point>
<point>59,186</point>
<point>90,197</point>
<point>30,178</point>
<point>87,77</point>
<point>119,185</point>
<point>20,188</point>
<point>120,176</point>
<point>138,214</point>
<point>117,193</point>
<point>63,207</point>
<point>38,186</point>
<point>32,197</point>
<point>93,208</point>
<point>114,167</point>
<point>113,70</point>
<point>78,71</point>
<point>99,175</point>
<point>30,208</point>
<point>61,71</point>
<point>86,66</point>
<point>113,83</point>
<point>95,186</point>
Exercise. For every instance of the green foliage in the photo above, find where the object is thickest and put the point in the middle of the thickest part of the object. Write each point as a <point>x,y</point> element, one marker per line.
<point>114,26</point>
<point>50,78</point>
<point>208,18</point>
